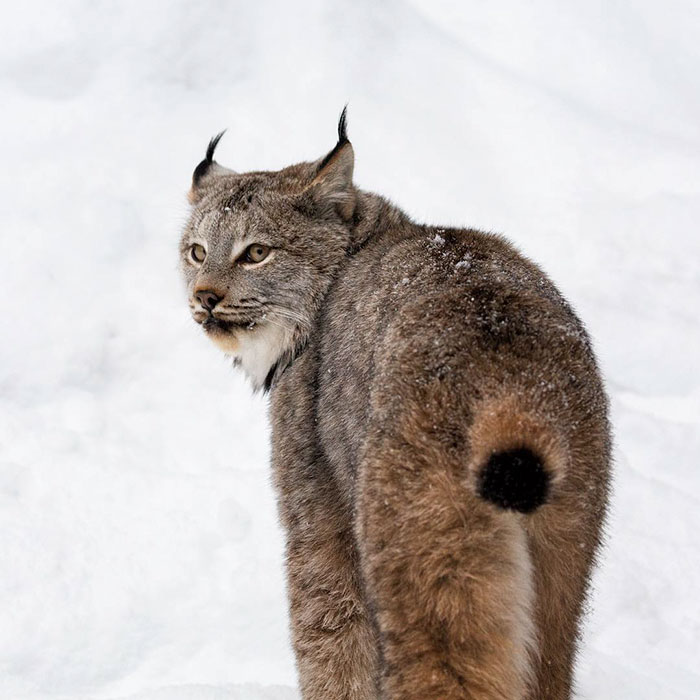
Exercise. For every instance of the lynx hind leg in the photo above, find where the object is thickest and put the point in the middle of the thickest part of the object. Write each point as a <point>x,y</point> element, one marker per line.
<point>448,574</point>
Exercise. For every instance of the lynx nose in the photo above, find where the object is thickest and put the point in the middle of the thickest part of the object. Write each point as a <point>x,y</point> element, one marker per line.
<point>208,299</point>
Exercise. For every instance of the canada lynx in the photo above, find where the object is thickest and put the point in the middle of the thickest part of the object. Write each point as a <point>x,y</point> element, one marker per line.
<point>440,436</point>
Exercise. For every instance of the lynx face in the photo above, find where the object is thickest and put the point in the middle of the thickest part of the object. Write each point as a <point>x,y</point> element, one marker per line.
<point>259,252</point>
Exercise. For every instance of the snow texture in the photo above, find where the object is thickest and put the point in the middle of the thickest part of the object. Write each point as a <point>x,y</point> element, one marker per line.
<point>140,553</point>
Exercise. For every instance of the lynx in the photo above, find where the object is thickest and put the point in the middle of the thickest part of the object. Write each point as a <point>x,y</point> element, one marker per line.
<point>440,440</point>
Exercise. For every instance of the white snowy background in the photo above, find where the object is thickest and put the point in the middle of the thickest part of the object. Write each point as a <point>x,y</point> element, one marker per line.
<point>140,555</point>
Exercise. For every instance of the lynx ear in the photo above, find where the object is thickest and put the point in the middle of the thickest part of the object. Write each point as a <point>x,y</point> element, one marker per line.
<point>207,170</point>
<point>332,184</point>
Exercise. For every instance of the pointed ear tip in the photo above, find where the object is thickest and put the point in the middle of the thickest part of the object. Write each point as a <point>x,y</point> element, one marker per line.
<point>346,151</point>
<point>200,171</point>
<point>204,165</point>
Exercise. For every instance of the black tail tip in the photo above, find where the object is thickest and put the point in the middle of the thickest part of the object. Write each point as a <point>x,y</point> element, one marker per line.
<point>514,480</point>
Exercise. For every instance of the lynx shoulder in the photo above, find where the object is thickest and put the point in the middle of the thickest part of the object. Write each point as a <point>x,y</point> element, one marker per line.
<point>440,441</point>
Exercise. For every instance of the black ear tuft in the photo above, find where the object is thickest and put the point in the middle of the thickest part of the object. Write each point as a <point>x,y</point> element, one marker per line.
<point>342,138</point>
<point>213,143</point>
<point>201,170</point>
<point>343,126</point>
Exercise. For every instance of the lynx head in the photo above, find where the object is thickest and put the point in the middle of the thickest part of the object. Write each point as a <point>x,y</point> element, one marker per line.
<point>260,250</point>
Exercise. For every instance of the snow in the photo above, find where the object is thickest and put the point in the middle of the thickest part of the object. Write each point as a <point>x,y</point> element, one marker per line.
<point>141,555</point>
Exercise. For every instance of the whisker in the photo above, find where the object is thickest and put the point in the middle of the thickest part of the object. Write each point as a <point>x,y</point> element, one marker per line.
<point>288,313</point>
<point>278,324</point>
<point>291,320</point>
<point>239,307</point>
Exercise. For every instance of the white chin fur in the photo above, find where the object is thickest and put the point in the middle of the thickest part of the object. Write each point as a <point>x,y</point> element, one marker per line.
<point>256,350</point>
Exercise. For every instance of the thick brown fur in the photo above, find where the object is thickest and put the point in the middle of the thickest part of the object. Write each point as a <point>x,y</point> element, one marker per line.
<point>424,354</point>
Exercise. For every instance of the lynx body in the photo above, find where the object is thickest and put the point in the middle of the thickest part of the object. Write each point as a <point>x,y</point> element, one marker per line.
<point>440,437</point>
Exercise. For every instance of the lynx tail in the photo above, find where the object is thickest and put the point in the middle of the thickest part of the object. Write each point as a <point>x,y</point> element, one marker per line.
<point>517,456</point>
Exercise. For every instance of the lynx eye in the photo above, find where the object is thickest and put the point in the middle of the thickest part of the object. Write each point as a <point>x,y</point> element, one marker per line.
<point>198,253</point>
<point>255,253</point>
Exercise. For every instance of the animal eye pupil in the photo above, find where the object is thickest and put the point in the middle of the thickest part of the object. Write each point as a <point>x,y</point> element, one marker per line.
<point>198,253</point>
<point>256,253</point>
